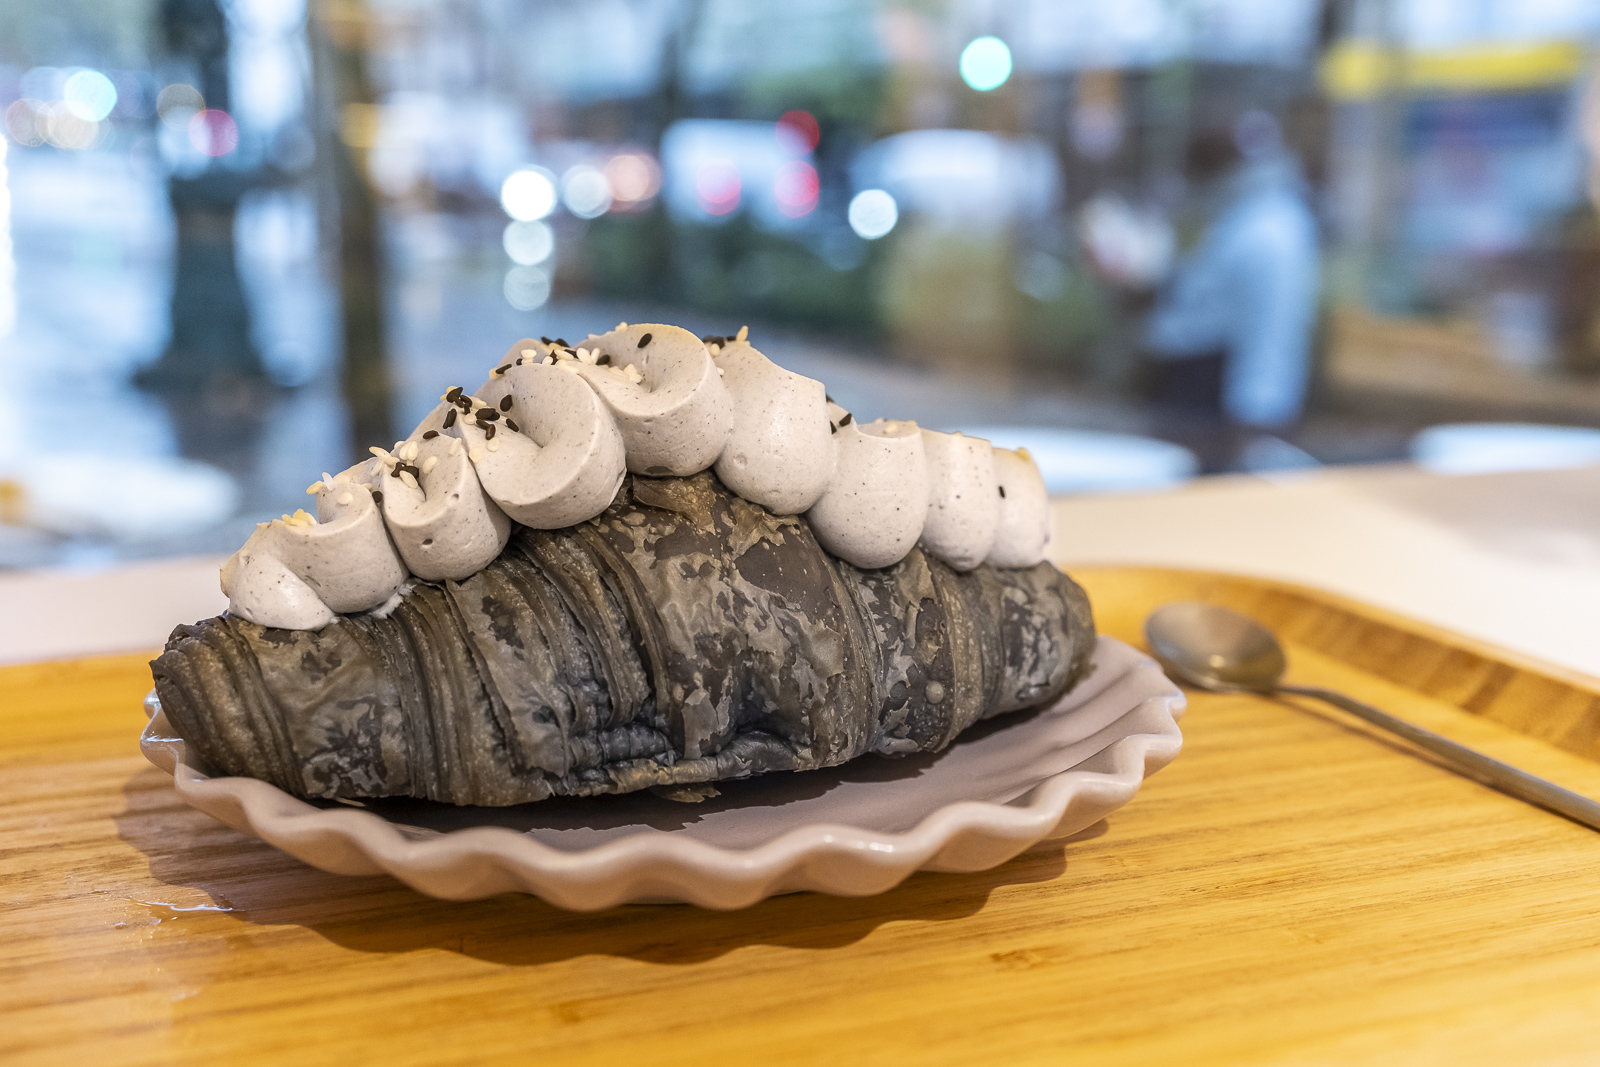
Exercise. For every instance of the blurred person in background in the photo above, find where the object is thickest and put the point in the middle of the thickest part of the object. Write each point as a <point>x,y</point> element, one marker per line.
<point>1230,334</point>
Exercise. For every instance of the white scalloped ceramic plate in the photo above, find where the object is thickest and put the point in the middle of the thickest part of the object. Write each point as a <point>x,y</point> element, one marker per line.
<point>853,830</point>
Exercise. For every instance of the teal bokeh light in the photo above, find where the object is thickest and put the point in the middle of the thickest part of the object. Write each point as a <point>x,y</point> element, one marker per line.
<point>90,95</point>
<point>986,63</point>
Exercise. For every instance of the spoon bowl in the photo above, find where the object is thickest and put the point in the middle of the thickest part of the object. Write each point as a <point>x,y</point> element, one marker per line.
<point>1214,647</point>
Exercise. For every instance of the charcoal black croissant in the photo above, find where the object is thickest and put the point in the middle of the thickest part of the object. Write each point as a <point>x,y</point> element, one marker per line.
<point>684,636</point>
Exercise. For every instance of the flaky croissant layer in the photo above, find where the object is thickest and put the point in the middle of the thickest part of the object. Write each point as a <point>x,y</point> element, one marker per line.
<point>686,635</point>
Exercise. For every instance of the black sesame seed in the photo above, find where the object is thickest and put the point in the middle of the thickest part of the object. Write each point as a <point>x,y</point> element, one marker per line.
<point>488,432</point>
<point>709,338</point>
<point>505,402</point>
<point>430,435</point>
<point>546,340</point>
<point>603,361</point>
<point>828,398</point>
<point>644,340</point>
<point>511,424</point>
<point>846,420</point>
<point>450,418</point>
<point>377,496</point>
<point>832,428</point>
<point>562,341</point>
<point>502,369</point>
<point>487,414</point>
<point>1002,492</point>
<point>453,394</point>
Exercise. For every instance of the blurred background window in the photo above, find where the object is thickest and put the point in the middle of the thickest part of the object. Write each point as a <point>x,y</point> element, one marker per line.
<point>242,240</point>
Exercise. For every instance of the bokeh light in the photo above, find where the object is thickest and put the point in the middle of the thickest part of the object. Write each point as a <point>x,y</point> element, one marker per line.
<point>986,63</point>
<point>65,128</point>
<point>717,186</point>
<point>585,191</point>
<point>90,95</point>
<point>527,288</point>
<point>795,187</point>
<point>528,243</point>
<point>798,132</point>
<point>8,265</point>
<point>178,103</point>
<point>22,123</point>
<point>634,178</point>
<point>213,132</point>
<point>529,194</point>
<point>873,213</point>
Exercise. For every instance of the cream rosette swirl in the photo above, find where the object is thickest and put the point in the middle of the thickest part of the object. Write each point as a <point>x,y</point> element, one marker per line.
<point>343,557</point>
<point>779,452</point>
<point>543,444</point>
<point>263,590</point>
<point>1024,526</point>
<point>664,391</point>
<point>441,520</point>
<point>874,508</point>
<point>346,555</point>
<point>963,498</point>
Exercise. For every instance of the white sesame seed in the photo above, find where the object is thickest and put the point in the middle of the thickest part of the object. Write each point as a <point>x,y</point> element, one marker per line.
<point>410,482</point>
<point>455,447</point>
<point>313,488</point>
<point>381,453</point>
<point>429,463</point>
<point>475,454</point>
<point>743,334</point>
<point>493,446</point>
<point>345,498</point>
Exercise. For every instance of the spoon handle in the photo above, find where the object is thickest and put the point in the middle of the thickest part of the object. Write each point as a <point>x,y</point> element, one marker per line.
<point>1502,776</point>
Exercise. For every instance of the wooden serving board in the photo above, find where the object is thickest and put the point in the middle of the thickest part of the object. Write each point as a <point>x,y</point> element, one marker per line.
<point>1294,889</point>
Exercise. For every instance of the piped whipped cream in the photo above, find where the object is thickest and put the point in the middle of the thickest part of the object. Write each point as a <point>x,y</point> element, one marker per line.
<point>1023,530</point>
<point>346,554</point>
<point>874,508</point>
<point>261,589</point>
<point>548,439</point>
<point>544,445</point>
<point>963,498</point>
<point>675,418</point>
<point>441,520</point>
<point>779,451</point>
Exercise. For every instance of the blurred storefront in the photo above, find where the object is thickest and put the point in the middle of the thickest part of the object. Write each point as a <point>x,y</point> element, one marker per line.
<point>276,241</point>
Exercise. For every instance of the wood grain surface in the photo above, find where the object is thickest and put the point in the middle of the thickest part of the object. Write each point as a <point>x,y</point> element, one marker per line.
<point>1294,889</point>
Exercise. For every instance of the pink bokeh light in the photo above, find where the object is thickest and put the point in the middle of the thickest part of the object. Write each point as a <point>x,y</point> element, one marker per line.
<point>795,188</point>
<point>717,186</point>
<point>213,132</point>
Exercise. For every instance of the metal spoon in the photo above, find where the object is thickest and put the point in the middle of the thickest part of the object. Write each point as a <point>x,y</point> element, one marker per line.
<point>1215,648</point>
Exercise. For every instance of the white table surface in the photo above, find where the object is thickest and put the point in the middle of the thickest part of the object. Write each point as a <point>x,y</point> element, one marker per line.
<point>1509,558</point>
